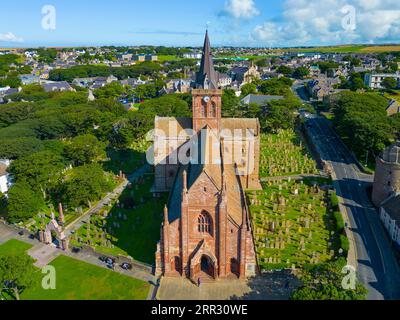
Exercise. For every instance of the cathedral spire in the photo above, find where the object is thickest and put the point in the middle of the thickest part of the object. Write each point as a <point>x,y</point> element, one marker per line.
<point>207,77</point>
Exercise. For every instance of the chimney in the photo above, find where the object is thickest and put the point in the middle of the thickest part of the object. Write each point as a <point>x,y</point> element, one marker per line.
<point>166,220</point>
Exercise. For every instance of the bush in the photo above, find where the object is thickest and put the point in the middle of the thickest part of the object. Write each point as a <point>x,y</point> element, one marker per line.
<point>334,201</point>
<point>344,244</point>
<point>339,221</point>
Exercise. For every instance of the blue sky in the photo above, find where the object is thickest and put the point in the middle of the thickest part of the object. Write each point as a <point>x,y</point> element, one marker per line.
<point>182,22</point>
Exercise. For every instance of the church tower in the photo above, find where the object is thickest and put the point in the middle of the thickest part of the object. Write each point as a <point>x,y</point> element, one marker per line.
<point>207,97</point>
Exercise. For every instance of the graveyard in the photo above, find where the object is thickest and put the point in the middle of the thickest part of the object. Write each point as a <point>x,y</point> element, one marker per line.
<point>77,280</point>
<point>130,227</point>
<point>295,223</point>
<point>284,154</point>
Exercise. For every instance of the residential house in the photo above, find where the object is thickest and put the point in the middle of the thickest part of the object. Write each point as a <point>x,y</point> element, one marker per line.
<point>374,80</point>
<point>5,178</point>
<point>144,57</point>
<point>244,75</point>
<point>260,100</point>
<point>27,79</point>
<point>57,86</point>
<point>390,217</point>
<point>393,107</point>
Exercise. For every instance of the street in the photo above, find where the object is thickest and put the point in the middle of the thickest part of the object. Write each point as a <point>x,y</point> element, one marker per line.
<point>376,265</point>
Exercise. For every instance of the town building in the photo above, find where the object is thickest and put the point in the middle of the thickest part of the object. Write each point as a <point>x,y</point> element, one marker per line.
<point>5,178</point>
<point>387,174</point>
<point>206,231</point>
<point>390,217</point>
<point>374,80</point>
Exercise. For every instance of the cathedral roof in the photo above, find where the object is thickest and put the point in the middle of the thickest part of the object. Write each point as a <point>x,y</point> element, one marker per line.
<point>210,163</point>
<point>207,77</point>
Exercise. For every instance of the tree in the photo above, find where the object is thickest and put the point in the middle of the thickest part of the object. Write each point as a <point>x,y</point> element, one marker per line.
<point>41,169</point>
<point>146,91</point>
<point>85,149</point>
<point>301,72</point>
<point>83,184</point>
<point>285,70</point>
<point>23,202</point>
<point>248,88</point>
<point>14,112</point>
<point>324,282</point>
<point>112,90</point>
<point>389,83</point>
<point>277,117</point>
<point>17,273</point>
<point>230,103</point>
<point>362,122</point>
<point>18,147</point>
<point>276,86</point>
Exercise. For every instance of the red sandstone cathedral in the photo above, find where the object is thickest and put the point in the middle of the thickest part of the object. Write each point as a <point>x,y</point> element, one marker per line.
<point>206,232</point>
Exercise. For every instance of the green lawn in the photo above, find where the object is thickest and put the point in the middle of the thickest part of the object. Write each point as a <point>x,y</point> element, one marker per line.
<point>78,280</point>
<point>14,247</point>
<point>131,228</point>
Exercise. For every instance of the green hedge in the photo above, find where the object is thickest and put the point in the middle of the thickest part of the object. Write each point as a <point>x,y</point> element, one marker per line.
<point>344,244</point>
<point>339,221</point>
<point>334,201</point>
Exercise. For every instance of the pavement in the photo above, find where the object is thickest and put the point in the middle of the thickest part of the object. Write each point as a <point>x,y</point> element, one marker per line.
<point>274,286</point>
<point>371,251</point>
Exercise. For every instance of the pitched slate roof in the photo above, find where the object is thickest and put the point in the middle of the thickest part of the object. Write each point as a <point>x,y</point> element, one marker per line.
<point>208,163</point>
<point>260,99</point>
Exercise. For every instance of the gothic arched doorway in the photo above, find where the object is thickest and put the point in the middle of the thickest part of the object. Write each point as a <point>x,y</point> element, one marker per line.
<point>207,266</point>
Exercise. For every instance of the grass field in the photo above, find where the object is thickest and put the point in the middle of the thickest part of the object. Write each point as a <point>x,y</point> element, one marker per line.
<point>292,224</point>
<point>14,247</point>
<point>76,280</point>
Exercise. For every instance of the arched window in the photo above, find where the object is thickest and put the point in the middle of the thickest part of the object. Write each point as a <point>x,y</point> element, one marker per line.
<point>203,109</point>
<point>204,223</point>
<point>213,110</point>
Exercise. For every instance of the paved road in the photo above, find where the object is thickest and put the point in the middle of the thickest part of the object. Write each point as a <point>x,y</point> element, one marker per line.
<point>376,265</point>
<point>299,89</point>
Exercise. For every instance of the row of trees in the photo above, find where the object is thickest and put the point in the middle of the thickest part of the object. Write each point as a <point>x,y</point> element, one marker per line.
<point>86,71</point>
<point>362,122</point>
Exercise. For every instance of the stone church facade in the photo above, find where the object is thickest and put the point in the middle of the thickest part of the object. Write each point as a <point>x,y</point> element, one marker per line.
<point>206,231</point>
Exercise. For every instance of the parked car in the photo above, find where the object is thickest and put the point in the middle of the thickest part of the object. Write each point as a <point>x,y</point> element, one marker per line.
<point>126,266</point>
<point>75,250</point>
<point>21,233</point>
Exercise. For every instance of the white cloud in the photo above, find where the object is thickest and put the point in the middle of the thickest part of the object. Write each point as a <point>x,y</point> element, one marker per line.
<point>10,37</point>
<point>321,22</point>
<point>241,8</point>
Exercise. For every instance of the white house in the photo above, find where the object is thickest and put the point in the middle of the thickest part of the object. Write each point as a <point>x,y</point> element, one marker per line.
<point>390,217</point>
<point>374,80</point>
<point>5,179</point>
